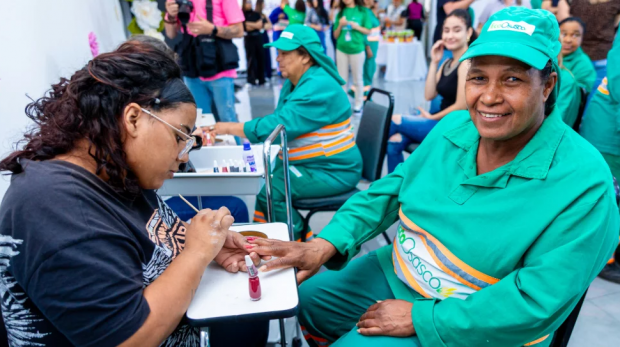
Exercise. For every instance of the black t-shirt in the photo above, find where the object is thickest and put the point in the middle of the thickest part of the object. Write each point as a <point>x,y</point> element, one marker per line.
<point>76,257</point>
<point>251,16</point>
<point>441,16</point>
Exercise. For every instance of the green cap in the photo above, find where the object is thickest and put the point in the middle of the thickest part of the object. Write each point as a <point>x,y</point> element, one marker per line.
<point>530,36</point>
<point>297,35</point>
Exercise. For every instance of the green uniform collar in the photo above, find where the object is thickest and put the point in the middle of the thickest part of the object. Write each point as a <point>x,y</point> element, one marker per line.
<point>573,56</point>
<point>533,161</point>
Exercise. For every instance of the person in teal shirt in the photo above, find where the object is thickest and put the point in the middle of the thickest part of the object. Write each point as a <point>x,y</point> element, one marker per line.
<point>575,59</point>
<point>353,24</point>
<point>569,95</point>
<point>505,216</point>
<point>295,15</point>
<point>324,159</point>
<point>601,127</point>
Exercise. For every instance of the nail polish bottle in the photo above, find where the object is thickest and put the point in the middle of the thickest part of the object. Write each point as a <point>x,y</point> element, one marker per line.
<point>254,281</point>
<point>215,168</point>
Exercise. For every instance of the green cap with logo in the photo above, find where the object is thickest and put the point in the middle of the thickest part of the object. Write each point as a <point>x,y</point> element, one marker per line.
<point>530,36</point>
<point>297,35</point>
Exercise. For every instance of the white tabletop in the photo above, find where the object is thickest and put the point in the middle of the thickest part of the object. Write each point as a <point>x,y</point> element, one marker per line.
<point>223,296</point>
<point>404,61</point>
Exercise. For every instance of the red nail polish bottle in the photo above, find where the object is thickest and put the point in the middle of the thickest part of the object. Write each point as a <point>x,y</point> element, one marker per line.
<point>254,281</point>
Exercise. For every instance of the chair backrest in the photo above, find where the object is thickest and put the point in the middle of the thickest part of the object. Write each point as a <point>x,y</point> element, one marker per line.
<point>372,134</point>
<point>582,109</point>
<point>562,335</point>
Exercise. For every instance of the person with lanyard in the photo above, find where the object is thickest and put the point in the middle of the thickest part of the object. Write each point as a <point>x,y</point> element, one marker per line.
<point>317,18</point>
<point>572,30</point>
<point>372,47</point>
<point>295,15</point>
<point>353,25</point>
<point>601,127</point>
<point>91,255</point>
<point>316,113</point>
<point>498,208</point>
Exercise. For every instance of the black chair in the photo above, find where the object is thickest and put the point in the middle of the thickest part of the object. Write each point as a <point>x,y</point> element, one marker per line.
<point>562,335</point>
<point>371,140</point>
<point>582,108</point>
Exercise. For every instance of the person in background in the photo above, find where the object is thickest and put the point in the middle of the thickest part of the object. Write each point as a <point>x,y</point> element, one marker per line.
<point>279,20</point>
<point>334,9</point>
<point>353,24</point>
<point>572,30</point>
<point>324,159</point>
<point>497,5</point>
<point>260,7</point>
<point>254,51</point>
<point>317,18</point>
<point>600,128</point>
<point>448,81</point>
<point>415,18</point>
<point>106,262</point>
<point>393,19</point>
<point>601,19</point>
<point>295,15</point>
<point>497,210</point>
<point>569,95</point>
<point>228,19</point>
<point>443,8</point>
<point>560,8</point>
<point>372,46</point>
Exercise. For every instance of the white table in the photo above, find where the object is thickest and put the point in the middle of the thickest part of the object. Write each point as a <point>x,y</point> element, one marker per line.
<point>223,297</point>
<point>403,61</point>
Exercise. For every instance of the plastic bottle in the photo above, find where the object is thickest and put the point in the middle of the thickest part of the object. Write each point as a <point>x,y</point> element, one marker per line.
<point>248,155</point>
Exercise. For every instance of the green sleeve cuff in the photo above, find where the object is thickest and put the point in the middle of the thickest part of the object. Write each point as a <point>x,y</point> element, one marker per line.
<point>424,324</point>
<point>248,128</point>
<point>345,245</point>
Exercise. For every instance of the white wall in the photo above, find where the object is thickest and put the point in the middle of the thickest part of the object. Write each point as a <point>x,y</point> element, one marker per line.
<point>40,41</point>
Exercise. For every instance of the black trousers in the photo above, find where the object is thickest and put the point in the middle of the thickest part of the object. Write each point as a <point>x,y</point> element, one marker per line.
<point>416,26</point>
<point>255,56</point>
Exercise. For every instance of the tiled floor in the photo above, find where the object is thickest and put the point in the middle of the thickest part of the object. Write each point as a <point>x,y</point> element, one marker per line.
<point>599,321</point>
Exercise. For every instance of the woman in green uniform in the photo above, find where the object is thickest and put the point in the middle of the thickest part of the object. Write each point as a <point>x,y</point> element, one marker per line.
<point>601,127</point>
<point>569,95</point>
<point>316,113</point>
<point>372,47</point>
<point>505,216</point>
<point>575,59</point>
<point>295,15</point>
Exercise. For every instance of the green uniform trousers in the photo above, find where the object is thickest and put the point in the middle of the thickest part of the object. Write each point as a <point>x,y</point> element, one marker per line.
<point>306,182</point>
<point>332,302</point>
<point>370,64</point>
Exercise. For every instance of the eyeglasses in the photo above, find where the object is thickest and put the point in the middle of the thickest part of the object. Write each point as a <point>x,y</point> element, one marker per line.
<point>189,140</point>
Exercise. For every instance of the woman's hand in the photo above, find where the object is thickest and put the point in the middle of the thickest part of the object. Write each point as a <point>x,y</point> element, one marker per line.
<point>387,318</point>
<point>437,52</point>
<point>343,21</point>
<point>355,26</point>
<point>207,232</point>
<point>425,114</point>
<point>172,8</point>
<point>307,257</point>
<point>201,26</point>
<point>232,255</point>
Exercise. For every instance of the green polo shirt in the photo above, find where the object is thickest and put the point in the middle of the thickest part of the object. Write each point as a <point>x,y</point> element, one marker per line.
<point>294,16</point>
<point>534,232</point>
<point>582,68</point>
<point>601,120</point>
<point>569,98</point>
<point>359,15</point>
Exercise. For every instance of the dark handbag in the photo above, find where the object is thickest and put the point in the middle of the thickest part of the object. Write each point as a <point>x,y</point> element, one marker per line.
<point>214,54</point>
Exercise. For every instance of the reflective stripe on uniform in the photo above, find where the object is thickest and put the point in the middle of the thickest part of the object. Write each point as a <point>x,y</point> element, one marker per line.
<point>603,87</point>
<point>322,149</point>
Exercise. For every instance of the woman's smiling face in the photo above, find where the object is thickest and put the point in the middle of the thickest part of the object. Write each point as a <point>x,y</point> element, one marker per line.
<point>505,97</point>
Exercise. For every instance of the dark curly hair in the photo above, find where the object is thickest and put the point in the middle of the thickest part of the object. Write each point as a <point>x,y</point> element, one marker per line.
<point>90,104</point>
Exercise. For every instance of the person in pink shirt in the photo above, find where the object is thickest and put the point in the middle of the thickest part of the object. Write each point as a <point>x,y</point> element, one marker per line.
<point>227,24</point>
